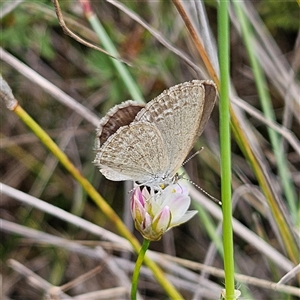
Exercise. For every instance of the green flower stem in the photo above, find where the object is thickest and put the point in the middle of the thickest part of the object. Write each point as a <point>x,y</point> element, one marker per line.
<point>121,68</point>
<point>94,195</point>
<point>223,27</point>
<point>138,265</point>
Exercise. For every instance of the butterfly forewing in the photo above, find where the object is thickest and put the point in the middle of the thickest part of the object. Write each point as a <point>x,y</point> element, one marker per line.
<point>209,103</point>
<point>177,113</point>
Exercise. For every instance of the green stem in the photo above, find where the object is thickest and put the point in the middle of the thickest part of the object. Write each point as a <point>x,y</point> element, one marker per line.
<point>223,30</point>
<point>138,265</point>
<point>121,68</point>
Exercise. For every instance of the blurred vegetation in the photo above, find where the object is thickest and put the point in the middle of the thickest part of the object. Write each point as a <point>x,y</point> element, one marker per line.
<point>31,33</point>
<point>280,15</point>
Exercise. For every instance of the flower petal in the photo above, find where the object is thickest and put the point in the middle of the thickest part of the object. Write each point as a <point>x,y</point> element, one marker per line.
<point>163,220</point>
<point>188,215</point>
<point>178,204</point>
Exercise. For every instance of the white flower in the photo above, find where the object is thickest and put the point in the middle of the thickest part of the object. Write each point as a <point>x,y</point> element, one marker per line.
<point>154,214</point>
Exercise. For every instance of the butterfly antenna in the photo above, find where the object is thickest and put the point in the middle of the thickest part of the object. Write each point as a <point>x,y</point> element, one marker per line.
<point>205,192</point>
<point>193,183</point>
<point>192,156</point>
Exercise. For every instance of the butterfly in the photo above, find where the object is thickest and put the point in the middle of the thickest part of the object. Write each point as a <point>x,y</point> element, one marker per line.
<point>147,143</point>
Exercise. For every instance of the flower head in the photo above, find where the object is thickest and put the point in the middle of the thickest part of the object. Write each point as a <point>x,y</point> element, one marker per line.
<point>156,213</point>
